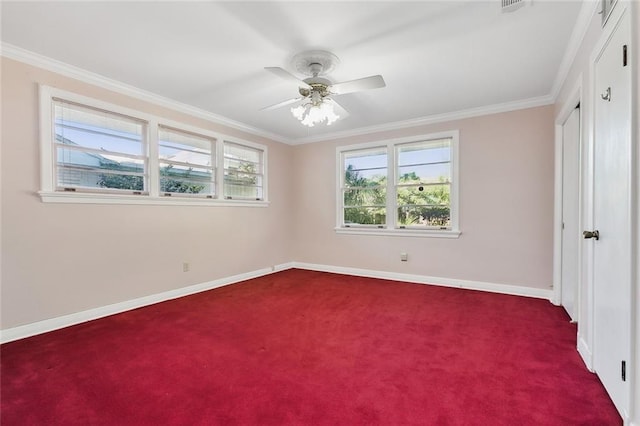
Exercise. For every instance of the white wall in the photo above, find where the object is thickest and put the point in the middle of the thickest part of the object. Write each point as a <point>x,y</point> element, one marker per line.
<point>580,74</point>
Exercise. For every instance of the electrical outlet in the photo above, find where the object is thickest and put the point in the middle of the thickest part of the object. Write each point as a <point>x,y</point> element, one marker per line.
<point>185,266</point>
<point>404,257</point>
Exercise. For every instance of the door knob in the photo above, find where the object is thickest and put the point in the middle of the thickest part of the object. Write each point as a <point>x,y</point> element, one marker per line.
<point>591,234</point>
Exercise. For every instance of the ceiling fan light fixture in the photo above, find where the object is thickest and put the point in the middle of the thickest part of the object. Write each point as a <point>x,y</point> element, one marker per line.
<point>317,92</point>
<point>311,114</point>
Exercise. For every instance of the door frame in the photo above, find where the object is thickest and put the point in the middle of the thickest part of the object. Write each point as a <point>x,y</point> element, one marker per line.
<point>575,97</point>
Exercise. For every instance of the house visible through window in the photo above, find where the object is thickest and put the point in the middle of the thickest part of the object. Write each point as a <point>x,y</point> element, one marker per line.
<point>186,163</point>
<point>98,150</point>
<point>243,175</point>
<point>95,152</point>
<point>400,186</point>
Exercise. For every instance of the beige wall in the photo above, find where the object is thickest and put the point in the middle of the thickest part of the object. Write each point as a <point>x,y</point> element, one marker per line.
<point>506,206</point>
<point>64,258</point>
<point>59,259</point>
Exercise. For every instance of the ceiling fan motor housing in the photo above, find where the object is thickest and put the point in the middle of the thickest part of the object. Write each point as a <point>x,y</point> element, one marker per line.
<point>315,62</point>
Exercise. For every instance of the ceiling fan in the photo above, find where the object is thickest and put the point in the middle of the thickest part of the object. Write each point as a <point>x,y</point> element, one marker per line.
<point>316,92</point>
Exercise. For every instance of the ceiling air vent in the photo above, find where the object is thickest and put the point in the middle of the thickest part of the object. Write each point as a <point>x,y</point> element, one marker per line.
<point>513,5</point>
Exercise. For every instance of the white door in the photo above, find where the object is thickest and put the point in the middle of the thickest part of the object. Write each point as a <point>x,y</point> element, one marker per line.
<point>612,216</point>
<point>571,232</point>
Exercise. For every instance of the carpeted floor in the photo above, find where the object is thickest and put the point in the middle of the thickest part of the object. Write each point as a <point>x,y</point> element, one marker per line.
<point>310,348</point>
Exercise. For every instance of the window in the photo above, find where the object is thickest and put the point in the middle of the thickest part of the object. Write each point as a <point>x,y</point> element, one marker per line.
<point>186,163</point>
<point>94,152</point>
<point>98,150</point>
<point>243,178</point>
<point>400,187</point>
<point>423,184</point>
<point>364,187</point>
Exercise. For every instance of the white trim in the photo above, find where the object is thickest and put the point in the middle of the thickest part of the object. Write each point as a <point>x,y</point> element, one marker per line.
<point>283,266</point>
<point>585,353</point>
<point>431,119</point>
<point>515,290</point>
<point>37,60</point>
<point>31,58</point>
<point>44,326</point>
<point>389,229</point>
<point>573,99</point>
<point>48,191</point>
<point>557,217</point>
<point>398,232</point>
<point>107,198</point>
<point>580,29</point>
<point>27,330</point>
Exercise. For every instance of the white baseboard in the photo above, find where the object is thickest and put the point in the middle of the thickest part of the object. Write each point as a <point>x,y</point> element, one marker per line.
<point>20,332</point>
<point>422,279</point>
<point>44,326</point>
<point>585,353</point>
<point>284,266</point>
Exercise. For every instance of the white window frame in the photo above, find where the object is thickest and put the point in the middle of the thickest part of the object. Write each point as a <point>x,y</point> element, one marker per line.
<point>263,165</point>
<point>49,194</point>
<point>390,229</point>
<point>214,144</point>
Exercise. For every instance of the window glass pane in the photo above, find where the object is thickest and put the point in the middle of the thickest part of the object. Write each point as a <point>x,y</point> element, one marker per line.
<point>98,149</point>
<point>185,147</point>
<point>424,195</point>
<point>77,168</point>
<point>425,216</point>
<point>426,205</point>
<point>232,164</point>
<point>243,192</point>
<point>86,178</point>
<point>239,178</point>
<point>428,173</point>
<point>243,172</point>
<point>365,216</point>
<point>185,186</point>
<point>183,179</point>
<point>365,197</point>
<point>428,152</point>
<point>365,168</point>
<point>85,127</point>
<point>240,152</point>
<point>185,156</point>
<point>186,162</point>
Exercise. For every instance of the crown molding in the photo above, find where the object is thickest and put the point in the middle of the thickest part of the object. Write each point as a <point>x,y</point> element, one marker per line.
<point>432,119</point>
<point>16,53</point>
<point>587,11</point>
<point>37,60</point>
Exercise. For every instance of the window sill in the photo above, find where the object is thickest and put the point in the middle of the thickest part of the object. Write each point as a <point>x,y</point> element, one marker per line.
<point>95,198</point>
<point>399,232</point>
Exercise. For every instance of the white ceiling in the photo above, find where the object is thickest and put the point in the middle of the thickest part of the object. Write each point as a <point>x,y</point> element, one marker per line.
<point>436,57</point>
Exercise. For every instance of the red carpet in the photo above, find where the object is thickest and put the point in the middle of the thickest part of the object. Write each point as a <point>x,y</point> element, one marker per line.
<point>310,348</point>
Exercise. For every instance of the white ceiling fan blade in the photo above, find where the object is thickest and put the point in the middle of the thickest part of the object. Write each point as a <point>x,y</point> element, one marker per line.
<point>287,76</point>
<point>339,110</point>
<point>366,83</point>
<point>281,104</point>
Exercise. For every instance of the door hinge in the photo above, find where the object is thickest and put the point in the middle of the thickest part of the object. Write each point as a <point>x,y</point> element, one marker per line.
<point>623,371</point>
<point>624,55</point>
